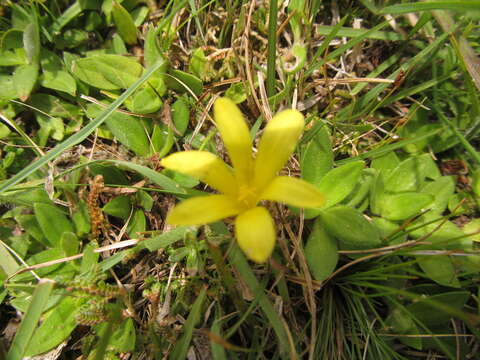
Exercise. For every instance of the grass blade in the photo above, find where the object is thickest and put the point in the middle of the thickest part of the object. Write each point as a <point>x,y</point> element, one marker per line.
<point>432,5</point>
<point>238,260</point>
<point>30,320</point>
<point>272,47</point>
<point>181,348</point>
<point>79,136</point>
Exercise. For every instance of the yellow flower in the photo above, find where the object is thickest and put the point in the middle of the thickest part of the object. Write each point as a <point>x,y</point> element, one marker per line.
<point>249,182</point>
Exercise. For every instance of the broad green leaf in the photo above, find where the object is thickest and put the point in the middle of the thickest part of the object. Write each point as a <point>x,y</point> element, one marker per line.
<point>118,207</point>
<point>8,263</point>
<point>350,228</point>
<point>401,322</point>
<point>29,322</point>
<point>13,57</point>
<point>59,80</point>
<point>30,224</point>
<point>31,43</point>
<point>53,222</point>
<point>144,101</point>
<point>321,251</point>
<point>440,269</point>
<point>69,243</point>
<point>337,184</point>
<point>24,79</point>
<point>124,337</point>
<point>184,82</point>
<point>386,163</point>
<point>317,157</point>
<point>152,53</point>
<point>473,227</point>
<point>442,189</point>
<point>409,174</point>
<point>128,130</point>
<point>422,309</point>
<point>56,327</point>
<point>180,115</point>
<point>124,23</point>
<point>198,62</point>
<point>78,136</point>
<point>7,87</point>
<point>81,219</point>
<point>389,231</point>
<point>137,224</point>
<point>405,205</point>
<point>54,106</point>
<point>107,71</point>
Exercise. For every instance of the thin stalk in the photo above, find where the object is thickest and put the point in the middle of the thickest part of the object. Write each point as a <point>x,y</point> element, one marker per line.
<point>272,47</point>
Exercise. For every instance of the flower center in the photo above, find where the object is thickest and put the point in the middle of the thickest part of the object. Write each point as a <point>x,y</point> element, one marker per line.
<point>247,196</point>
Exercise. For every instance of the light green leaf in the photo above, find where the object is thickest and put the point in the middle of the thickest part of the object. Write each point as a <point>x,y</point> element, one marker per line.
<point>180,115</point>
<point>124,23</point>
<point>321,251</point>
<point>184,82</point>
<point>350,228</point>
<point>107,71</point>
<point>56,327</point>
<point>138,224</point>
<point>118,207</point>
<point>337,184</point>
<point>442,189</point>
<point>24,80</point>
<point>59,80</point>
<point>53,222</point>
<point>405,205</point>
<point>27,327</point>
<point>440,269</point>
<point>317,157</point>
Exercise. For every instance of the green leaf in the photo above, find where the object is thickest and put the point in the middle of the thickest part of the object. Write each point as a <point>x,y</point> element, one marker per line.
<point>56,327</point>
<point>386,163</point>
<point>27,327</point>
<point>128,130</point>
<point>184,82</point>
<point>78,136</point>
<point>405,205</point>
<point>180,115</point>
<point>138,224</point>
<point>321,251</point>
<point>13,57</point>
<point>317,157</point>
<point>198,63</point>
<point>8,263</point>
<point>442,189</point>
<point>350,228</point>
<point>476,182</point>
<point>107,71</point>
<point>24,80</point>
<point>118,207</point>
<point>31,43</point>
<point>53,222</point>
<point>337,184</point>
<point>69,243</point>
<point>401,322</point>
<point>124,337</point>
<point>124,23</point>
<point>408,175</point>
<point>144,101</point>
<point>440,269</point>
<point>59,80</point>
<point>152,53</point>
<point>422,309</point>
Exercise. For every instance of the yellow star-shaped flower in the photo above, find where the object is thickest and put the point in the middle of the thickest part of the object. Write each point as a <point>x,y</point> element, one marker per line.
<point>248,182</point>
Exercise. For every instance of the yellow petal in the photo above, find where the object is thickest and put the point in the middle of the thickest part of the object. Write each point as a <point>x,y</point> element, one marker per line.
<point>203,210</point>
<point>235,135</point>
<point>203,166</point>
<point>292,191</point>
<point>276,145</point>
<point>255,233</point>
